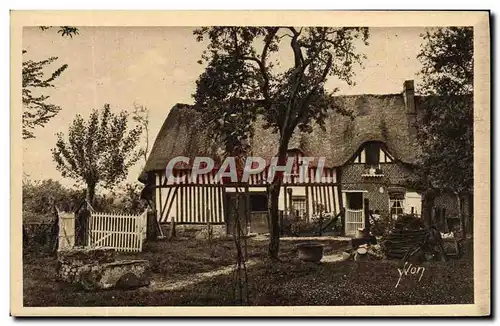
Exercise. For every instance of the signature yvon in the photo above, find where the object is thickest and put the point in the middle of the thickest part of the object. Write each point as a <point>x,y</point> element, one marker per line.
<point>409,270</point>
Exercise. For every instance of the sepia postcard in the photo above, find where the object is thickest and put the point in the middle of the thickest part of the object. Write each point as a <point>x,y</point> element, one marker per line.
<point>250,163</point>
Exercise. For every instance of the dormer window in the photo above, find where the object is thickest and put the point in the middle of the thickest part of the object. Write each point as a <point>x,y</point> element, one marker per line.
<point>372,154</point>
<point>372,151</point>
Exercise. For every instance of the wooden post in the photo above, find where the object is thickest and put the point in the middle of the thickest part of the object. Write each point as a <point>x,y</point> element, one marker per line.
<point>427,204</point>
<point>248,222</point>
<point>151,231</point>
<point>307,204</point>
<point>366,231</point>
<point>225,208</point>
<point>290,203</point>
<point>281,222</point>
<point>174,194</point>
<point>313,199</point>
<point>342,220</point>
<point>172,231</point>
<point>286,201</point>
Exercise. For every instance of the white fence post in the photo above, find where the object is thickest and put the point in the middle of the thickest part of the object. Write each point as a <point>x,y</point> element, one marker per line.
<point>66,230</point>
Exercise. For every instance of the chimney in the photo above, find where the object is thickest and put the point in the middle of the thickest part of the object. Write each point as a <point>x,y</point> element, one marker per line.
<point>409,96</point>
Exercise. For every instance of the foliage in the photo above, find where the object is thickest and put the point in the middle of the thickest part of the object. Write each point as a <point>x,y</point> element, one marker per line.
<point>240,82</point>
<point>302,227</point>
<point>39,196</point>
<point>64,30</point>
<point>244,79</point>
<point>408,222</point>
<point>99,151</point>
<point>381,226</point>
<point>141,117</point>
<point>36,110</point>
<point>127,198</point>
<point>446,132</point>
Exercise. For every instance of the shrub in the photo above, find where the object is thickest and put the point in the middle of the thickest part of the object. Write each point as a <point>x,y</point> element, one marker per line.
<point>39,196</point>
<point>380,226</point>
<point>409,222</point>
<point>302,227</point>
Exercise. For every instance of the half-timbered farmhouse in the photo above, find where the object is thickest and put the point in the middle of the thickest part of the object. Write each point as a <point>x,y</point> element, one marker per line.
<point>369,156</point>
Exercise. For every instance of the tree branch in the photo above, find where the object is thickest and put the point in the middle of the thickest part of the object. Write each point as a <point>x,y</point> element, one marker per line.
<point>303,106</point>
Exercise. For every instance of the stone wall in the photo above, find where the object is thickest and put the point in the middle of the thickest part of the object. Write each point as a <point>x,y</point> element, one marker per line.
<point>198,231</point>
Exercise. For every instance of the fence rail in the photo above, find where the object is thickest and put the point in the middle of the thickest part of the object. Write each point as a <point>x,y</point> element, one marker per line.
<point>122,232</point>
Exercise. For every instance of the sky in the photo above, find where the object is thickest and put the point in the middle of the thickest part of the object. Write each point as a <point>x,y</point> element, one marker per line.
<point>157,67</point>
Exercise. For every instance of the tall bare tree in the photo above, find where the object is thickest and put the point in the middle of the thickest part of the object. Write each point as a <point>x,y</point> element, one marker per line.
<point>244,78</point>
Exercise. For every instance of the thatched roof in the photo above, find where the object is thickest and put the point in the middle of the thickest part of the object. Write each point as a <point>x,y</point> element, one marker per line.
<point>382,118</point>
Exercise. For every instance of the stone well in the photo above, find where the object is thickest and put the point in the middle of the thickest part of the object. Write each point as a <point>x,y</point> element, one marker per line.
<point>97,268</point>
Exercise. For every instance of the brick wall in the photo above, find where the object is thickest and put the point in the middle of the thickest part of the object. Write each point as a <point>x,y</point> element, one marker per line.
<point>394,175</point>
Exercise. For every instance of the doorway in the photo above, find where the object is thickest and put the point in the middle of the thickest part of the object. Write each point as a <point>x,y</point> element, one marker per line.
<point>256,219</point>
<point>354,213</point>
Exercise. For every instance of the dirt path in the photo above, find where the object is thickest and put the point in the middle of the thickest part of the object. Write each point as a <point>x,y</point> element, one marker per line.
<point>261,237</point>
<point>194,279</point>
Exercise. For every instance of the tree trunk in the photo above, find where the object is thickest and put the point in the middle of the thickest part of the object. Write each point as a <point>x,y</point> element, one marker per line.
<point>427,205</point>
<point>274,228</point>
<point>90,194</point>
<point>82,217</point>
<point>274,193</point>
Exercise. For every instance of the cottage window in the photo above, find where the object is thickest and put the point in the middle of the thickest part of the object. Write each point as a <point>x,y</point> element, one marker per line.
<point>299,206</point>
<point>396,204</point>
<point>372,151</point>
<point>258,203</point>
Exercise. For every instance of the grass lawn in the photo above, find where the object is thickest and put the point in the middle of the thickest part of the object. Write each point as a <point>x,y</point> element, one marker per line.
<point>289,282</point>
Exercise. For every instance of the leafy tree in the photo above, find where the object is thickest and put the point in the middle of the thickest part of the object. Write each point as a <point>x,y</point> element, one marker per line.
<point>40,195</point>
<point>36,110</point>
<point>99,151</point>
<point>141,117</point>
<point>128,198</point>
<point>446,133</point>
<point>244,78</point>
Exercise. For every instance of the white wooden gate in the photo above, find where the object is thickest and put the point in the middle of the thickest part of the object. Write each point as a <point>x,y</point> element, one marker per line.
<point>353,221</point>
<point>122,232</point>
